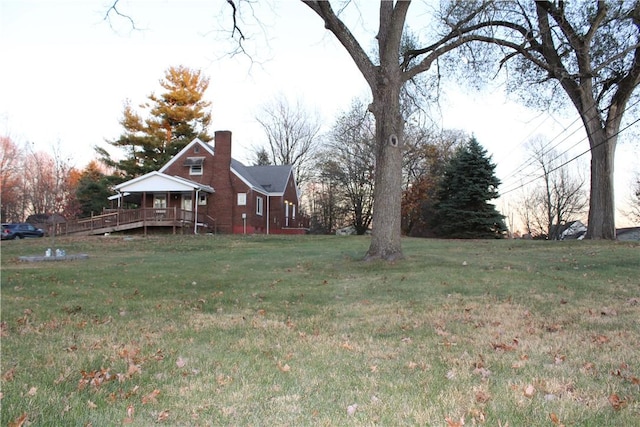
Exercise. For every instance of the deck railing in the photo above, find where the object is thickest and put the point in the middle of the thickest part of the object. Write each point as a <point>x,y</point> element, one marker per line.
<point>115,218</point>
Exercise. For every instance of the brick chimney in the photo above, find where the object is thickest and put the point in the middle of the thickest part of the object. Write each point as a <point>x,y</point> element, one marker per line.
<point>223,201</point>
<point>222,151</point>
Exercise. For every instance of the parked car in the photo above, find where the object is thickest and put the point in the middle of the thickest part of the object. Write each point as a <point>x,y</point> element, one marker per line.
<point>20,230</point>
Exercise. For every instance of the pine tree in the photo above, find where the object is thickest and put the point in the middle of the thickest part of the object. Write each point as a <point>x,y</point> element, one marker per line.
<point>468,184</point>
<point>175,118</point>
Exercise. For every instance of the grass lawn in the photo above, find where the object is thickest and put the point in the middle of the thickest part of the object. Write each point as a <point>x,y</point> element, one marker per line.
<point>277,331</point>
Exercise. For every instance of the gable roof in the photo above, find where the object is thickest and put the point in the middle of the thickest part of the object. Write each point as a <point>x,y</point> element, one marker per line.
<point>154,181</point>
<point>195,141</point>
<point>269,179</point>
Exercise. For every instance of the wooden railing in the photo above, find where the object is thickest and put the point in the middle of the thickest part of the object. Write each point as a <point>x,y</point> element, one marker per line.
<point>116,219</point>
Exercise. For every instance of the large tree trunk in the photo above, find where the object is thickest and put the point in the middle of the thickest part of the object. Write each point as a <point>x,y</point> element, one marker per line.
<point>602,141</point>
<point>601,203</point>
<point>385,239</point>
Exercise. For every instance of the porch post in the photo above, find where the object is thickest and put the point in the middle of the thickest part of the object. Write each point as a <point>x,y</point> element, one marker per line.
<point>144,211</point>
<point>195,219</point>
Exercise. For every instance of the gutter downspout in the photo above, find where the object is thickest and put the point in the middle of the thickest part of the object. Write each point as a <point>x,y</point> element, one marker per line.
<point>268,208</point>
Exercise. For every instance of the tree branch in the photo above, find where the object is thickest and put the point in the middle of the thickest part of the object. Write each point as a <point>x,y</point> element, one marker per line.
<point>114,8</point>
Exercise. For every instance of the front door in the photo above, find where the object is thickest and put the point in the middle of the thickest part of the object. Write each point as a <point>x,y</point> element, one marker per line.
<point>187,207</point>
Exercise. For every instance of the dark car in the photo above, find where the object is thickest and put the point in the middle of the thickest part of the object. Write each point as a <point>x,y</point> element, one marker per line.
<point>20,230</point>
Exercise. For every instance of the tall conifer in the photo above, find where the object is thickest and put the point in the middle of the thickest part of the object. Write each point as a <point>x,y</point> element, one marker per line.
<point>469,183</point>
<point>175,118</point>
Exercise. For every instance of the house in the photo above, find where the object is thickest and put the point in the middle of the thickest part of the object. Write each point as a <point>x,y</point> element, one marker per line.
<point>628,234</point>
<point>203,189</point>
<point>573,230</point>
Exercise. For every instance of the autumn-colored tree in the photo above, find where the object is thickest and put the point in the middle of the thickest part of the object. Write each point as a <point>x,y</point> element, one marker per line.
<point>425,160</point>
<point>11,209</point>
<point>174,118</point>
<point>46,183</point>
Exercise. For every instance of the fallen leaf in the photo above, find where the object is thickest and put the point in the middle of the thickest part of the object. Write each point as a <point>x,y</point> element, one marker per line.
<point>554,418</point>
<point>133,369</point>
<point>347,346</point>
<point>504,347</point>
<point>91,405</point>
<point>482,397</point>
<point>616,402</point>
<point>8,376</point>
<point>529,391</point>
<point>32,391</point>
<point>19,422</point>
<point>163,416</point>
<point>151,397</point>
<point>451,423</point>
<point>600,339</point>
<point>351,409</point>
<point>283,368</point>
<point>180,363</point>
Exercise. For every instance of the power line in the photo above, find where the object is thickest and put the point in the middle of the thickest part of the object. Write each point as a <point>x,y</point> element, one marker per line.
<point>573,158</point>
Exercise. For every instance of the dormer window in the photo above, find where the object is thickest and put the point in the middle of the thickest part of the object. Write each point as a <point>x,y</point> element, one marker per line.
<point>195,165</point>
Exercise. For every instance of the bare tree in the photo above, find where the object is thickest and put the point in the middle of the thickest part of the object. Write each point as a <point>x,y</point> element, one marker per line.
<point>292,135</point>
<point>633,212</point>
<point>557,199</point>
<point>350,158</point>
<point>591,52</point>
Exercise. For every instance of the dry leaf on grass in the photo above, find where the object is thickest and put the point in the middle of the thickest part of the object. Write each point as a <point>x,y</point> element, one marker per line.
<point>8,376</point>
<point>616,402</point>
<point>529,391</point>
<point>151,397</point>
<point>283,368</point>
<point>351,409</point>
<point>452,423</point>
<point>163,416</point>
<point>555,420</point>
<point>19,422</point>
<point>180,363</point>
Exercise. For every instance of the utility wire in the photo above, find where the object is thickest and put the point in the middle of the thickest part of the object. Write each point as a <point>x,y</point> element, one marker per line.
<point>572,159</point>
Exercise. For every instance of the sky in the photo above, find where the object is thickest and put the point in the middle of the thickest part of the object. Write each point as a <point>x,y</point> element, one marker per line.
<point>67,72</point>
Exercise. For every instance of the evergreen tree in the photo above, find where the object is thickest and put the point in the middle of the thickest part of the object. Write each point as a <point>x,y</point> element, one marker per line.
<point>469,182</point>
<point>175,118</point>
<point>93,189</point>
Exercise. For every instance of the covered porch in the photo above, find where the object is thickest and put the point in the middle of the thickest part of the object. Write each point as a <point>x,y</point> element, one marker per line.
<point>156,200</point>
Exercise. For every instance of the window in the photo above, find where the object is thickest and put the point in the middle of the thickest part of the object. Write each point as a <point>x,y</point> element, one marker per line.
<point>242,199</point>
<point>202,199</point>
<point>259,205</point>
<point>160,201</point>
<point>194,164</point>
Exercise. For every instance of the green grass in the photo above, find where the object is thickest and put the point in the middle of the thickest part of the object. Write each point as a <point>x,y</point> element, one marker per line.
<point>203,330</point>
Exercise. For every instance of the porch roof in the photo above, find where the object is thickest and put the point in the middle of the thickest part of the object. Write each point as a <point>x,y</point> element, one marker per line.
<point>160,182</point>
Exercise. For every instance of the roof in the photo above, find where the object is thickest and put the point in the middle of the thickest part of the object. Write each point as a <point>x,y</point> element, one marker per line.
<point>269,179</point>
<point>153,181</point>
<point>204,145</point>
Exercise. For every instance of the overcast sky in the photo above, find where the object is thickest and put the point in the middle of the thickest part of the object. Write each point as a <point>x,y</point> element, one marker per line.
<point>67,72</point>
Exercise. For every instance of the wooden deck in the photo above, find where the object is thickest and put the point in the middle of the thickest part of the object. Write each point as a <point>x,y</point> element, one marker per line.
<point>130,219</point>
